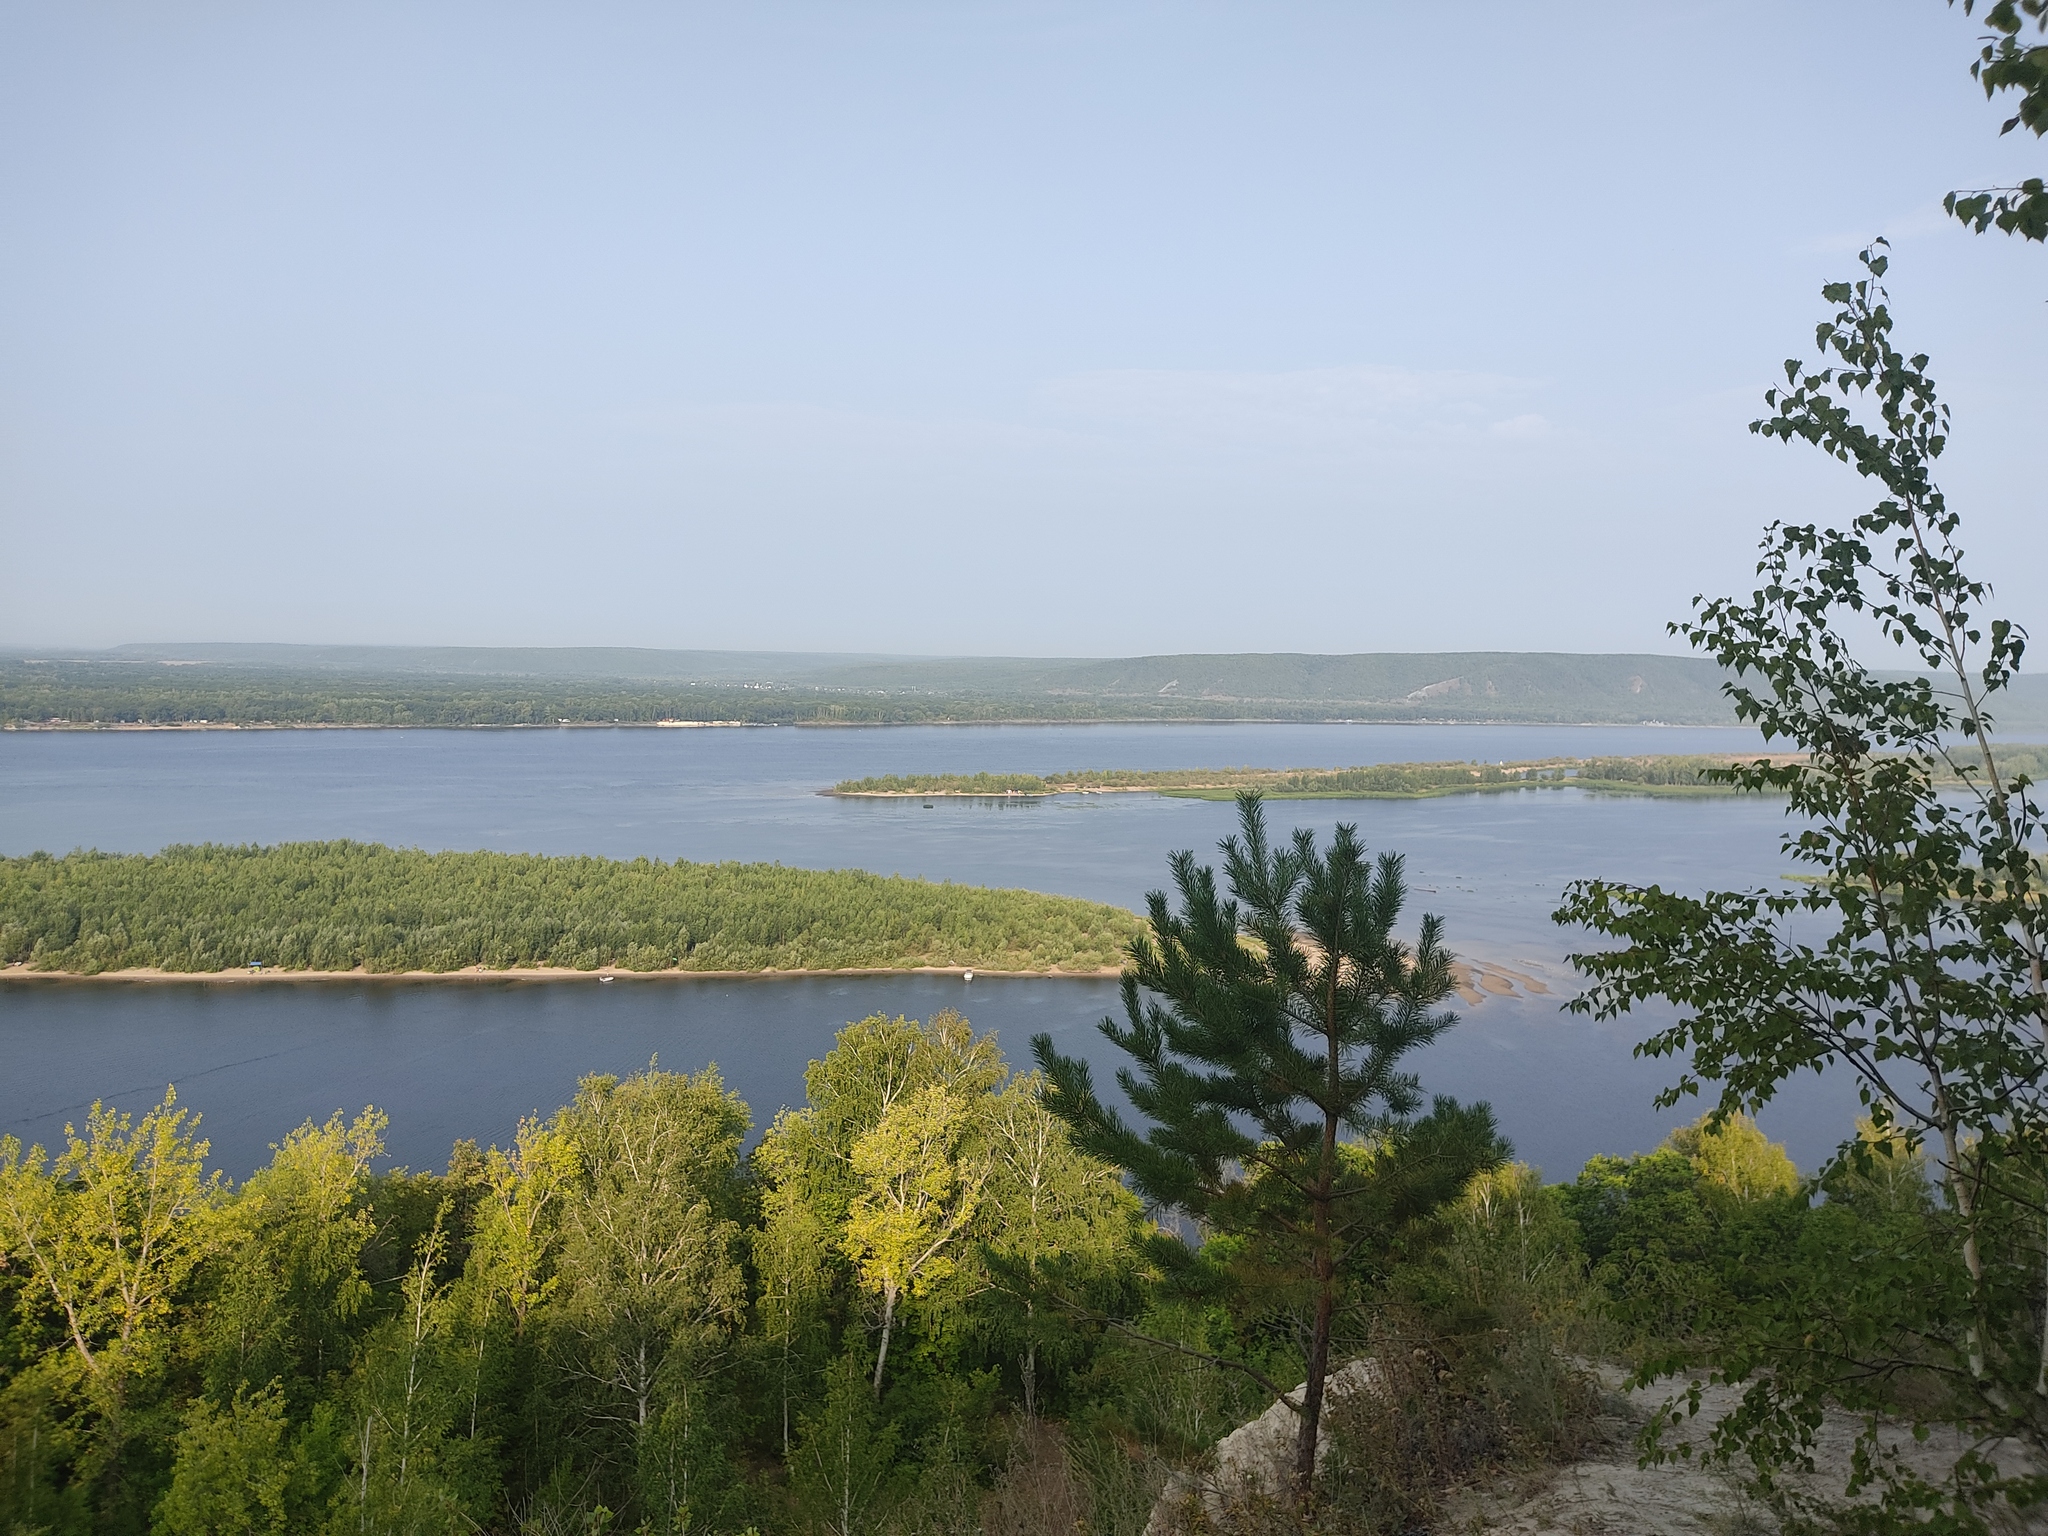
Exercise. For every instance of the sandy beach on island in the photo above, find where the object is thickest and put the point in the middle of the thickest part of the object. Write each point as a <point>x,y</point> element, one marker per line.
<point>253,974</point>
<point>381,725</point>
<point>1475,980</point>
<point>1047,793</point>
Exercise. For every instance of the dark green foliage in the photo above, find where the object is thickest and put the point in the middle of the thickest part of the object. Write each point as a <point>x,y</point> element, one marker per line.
<point>842,1472</point>
<point>1834,1295</point>
<point>347,906</point>
<point>1678,1255</point>
<point>235,1471</point>
<point>2007,63</point>
<point>1267,1029</point>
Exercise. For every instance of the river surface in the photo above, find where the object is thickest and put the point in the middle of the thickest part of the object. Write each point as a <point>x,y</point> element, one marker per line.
<point>449,1059</point>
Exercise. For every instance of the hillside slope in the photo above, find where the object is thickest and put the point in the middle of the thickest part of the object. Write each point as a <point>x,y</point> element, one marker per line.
<point>455,685</point>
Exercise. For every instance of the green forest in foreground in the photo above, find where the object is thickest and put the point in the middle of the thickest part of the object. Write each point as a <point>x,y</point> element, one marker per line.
<point>914,1307</point>
<point>1665,774</point>
<point>345,906</point>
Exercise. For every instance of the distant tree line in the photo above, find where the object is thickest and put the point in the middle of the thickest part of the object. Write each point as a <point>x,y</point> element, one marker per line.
<point>344,905</point>
<point>36,692</point>
<point>106,693</point>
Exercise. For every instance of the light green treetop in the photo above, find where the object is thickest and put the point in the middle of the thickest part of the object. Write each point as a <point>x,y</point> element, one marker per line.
<point>921,1171</point>
<point>651,1249</point>
<point>110,1230</point>
<point>1734,1155</point>
<point>519,1222</point>
<point>293,1280</point>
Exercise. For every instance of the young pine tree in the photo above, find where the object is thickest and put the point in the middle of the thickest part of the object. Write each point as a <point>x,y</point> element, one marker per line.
<point>1268,1028</point>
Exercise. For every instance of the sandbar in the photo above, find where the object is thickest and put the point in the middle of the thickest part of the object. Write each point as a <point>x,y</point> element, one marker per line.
<point>242,975</point>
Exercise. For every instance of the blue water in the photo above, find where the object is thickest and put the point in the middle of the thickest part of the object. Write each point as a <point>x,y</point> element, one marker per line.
<point>448,1060</point>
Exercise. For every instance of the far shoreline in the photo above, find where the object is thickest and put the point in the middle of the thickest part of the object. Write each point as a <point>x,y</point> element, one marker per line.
<point>1473,980</point>
<point>151,976</point>
<point>88,727</point>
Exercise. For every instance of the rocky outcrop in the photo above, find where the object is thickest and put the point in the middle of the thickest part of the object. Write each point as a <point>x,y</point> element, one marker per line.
<point>1256,1460</point>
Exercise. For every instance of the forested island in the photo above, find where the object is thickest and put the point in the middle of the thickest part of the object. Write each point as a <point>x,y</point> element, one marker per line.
<point>361,907</point>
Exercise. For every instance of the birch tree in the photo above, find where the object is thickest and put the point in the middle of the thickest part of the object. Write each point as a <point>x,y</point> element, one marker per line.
<point>651,1247</point>
<point>844,1457</point>
<point>106,1237</point>
<point>519,1222</point>
<point>405,1400</point>
<point>2006,61</point>
<point>1911,954</point>
<point>793,1251</point>
<point>291,1285</point>
<point>807,1159</point>
<point>1049,1207</point>
<point>921,1171</point>
<point>109,1231</point>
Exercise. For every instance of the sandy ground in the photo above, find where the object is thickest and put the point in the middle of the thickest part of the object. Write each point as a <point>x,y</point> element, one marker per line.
<point>371,725</point>
<point>1476,980</point>
<point>1607,1494</point>
<point>516,973</point>
<point>1604,1494</point>
<point>1004,794</point>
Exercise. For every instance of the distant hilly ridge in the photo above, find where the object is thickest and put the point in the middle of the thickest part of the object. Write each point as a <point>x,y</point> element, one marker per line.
<point>1390,678</point>
<point>461,685</point>
<point>477,685</point>
<point>1468,682</point>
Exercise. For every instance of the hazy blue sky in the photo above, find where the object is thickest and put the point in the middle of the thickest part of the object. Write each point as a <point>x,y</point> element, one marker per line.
<point>1000,328</point>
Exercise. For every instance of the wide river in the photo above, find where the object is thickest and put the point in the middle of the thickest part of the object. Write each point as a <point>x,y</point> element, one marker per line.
<point>456,1059</point>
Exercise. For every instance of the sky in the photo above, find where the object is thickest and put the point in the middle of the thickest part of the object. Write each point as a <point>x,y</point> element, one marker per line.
<point>1030,329</point>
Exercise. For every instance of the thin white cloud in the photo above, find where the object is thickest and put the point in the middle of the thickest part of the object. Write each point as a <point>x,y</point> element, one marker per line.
<point>1915,224</point>
<point>1118,411</point>
<point>1335,407</point>
<point>787,424</point>
<point>1526,428</point>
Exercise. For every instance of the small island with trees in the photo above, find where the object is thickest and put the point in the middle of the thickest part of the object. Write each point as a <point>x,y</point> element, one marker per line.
<point>347,908</point>
<point>1681,774</point>
<point>1674,774</point>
